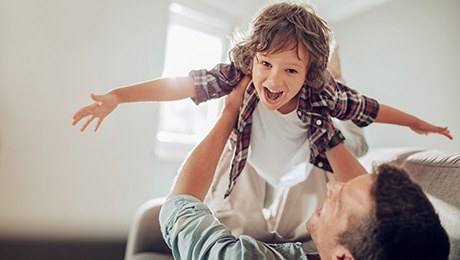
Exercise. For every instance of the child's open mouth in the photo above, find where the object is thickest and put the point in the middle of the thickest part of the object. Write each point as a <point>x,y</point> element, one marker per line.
<point>273,95</point>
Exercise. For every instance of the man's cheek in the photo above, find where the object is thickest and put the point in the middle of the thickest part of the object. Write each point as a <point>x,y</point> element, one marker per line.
<point>312,224</point>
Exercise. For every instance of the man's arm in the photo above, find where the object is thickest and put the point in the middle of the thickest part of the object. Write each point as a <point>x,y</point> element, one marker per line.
<point>197,172</point>
<point>344,163</point>
<point>188,226</point>
<point>394,116</point>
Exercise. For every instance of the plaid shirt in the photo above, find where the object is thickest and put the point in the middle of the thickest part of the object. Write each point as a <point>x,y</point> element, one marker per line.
<point>315,109</point>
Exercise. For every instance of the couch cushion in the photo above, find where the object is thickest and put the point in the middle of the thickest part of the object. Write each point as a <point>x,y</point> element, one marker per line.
<point>395,155</point>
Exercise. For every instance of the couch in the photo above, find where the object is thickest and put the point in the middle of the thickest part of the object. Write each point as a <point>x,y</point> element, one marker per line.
<point>437,172</point>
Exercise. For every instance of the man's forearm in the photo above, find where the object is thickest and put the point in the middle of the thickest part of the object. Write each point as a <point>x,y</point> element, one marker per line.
<point>196,174</point>
<point>344,163</point>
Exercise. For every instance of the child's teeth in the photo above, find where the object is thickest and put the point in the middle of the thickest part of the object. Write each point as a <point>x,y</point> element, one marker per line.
<point>273,95</point>
<point>273,91</point>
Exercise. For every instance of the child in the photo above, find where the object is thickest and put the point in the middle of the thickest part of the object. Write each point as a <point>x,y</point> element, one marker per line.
<point>285,118</point>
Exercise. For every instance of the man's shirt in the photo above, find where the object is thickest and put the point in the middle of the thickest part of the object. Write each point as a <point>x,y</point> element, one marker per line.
<point>192,232</point>
<point>315,109</point>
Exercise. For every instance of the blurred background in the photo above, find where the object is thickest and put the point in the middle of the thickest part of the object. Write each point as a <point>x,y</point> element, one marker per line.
<point>71,195</point>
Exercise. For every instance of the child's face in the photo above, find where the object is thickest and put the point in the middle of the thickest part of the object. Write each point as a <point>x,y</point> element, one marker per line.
<point>278,77</point>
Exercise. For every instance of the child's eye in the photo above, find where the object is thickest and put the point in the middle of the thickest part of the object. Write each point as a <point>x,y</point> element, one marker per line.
<point>266,64</point>
<point>293,71</point>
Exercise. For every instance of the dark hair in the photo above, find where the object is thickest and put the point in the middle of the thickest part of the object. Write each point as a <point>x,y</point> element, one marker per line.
<point>279,25</point>
<point>402,225</point>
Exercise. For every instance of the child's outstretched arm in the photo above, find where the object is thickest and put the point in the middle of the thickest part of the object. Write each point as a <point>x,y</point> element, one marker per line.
<point>344,163</point>
<point>162,89</point>
<point>392,115</point>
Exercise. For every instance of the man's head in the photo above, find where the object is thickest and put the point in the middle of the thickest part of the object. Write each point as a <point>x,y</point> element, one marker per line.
<point>378,216</point>
<point>286,26</point>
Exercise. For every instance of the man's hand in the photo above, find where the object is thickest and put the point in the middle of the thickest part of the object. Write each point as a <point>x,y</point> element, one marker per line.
<point>103,105</point>
<point>234,100</point>
<point>344,163</point>
<point>196,174</point>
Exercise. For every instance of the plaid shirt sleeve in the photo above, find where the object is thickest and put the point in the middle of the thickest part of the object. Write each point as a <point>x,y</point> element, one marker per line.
<point>342,102</point>
<point>215,83</point>
<point>328,138</point>
<point>345,103</point>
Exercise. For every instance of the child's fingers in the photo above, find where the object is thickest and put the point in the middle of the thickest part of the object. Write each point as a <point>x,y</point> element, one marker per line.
<point>95,97</point>
<point>434,129</point>
<point>447,133</point>
<point>78,116</point>
<point>82,129</point>
<point>444,131</point>
<point>80,112</point>
<point>99,122</point>
<point>76,120</point>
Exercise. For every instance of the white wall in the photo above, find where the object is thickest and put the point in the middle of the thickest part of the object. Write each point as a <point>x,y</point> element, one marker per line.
<point>55,181</point>
<point>405,53</point>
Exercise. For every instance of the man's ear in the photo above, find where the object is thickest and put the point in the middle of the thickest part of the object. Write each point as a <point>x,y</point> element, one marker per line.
<point>341,253</point>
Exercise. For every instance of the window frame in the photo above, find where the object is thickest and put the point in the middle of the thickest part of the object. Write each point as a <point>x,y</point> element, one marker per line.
<point>175,146</point>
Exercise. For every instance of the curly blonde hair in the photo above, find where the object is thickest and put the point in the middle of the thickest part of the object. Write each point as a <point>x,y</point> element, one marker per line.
<point>279,25</point>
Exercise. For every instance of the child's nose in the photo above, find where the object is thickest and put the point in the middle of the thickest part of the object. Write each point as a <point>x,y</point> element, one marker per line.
<point>274,78</point>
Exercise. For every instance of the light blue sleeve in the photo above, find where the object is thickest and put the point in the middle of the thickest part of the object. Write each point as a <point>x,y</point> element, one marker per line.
<point>192,232</point>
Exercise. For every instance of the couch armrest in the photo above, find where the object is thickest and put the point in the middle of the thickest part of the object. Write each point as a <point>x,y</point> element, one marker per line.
<point>145,234</point>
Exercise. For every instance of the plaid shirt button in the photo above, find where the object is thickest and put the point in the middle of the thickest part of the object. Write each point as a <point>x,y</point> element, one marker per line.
<point>320,164</point>
<point>318,122</point>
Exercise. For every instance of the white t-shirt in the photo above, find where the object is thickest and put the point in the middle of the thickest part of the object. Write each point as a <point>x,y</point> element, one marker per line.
<point>279,149</point>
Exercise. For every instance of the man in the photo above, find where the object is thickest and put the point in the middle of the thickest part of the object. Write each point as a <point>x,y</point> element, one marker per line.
<point>374,216</point>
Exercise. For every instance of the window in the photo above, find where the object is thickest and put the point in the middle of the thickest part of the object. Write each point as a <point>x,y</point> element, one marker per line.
<point>195,41</point>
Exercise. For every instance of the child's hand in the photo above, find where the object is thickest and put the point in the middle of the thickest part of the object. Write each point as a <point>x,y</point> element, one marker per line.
<point>424,128</point>
<point>103,106</point>
<point>234,100</point>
